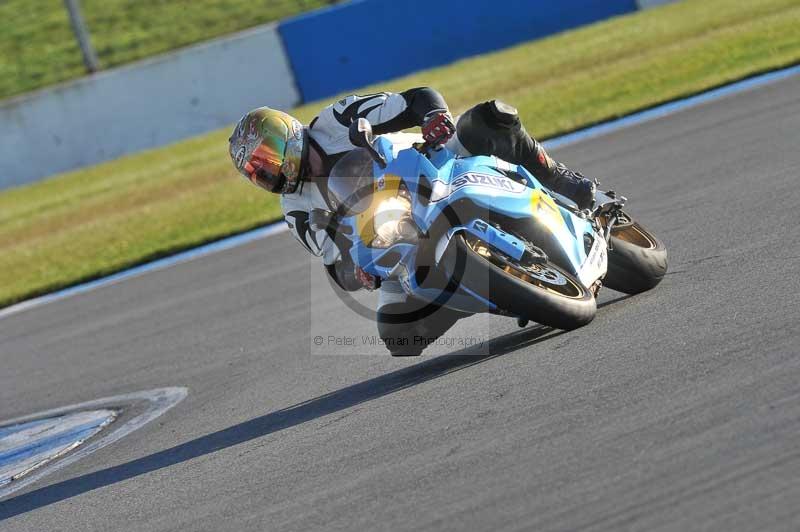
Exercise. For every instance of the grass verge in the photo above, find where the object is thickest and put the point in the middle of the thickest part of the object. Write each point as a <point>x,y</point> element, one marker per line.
<point>92,222</point>
<point>37,47</point>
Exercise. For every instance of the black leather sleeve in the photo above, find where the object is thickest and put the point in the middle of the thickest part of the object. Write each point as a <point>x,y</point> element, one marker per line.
<point>420,101</point>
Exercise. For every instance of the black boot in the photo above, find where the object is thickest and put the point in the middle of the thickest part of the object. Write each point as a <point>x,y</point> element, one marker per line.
<point>557,177</point>
<point>571,184</point>
<point>407,328</point>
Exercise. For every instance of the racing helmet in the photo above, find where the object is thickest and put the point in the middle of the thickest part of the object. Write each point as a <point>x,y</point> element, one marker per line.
<point>268,147</point>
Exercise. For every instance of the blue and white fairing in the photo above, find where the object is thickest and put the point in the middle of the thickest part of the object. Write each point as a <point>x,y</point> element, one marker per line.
<point>481,189</point>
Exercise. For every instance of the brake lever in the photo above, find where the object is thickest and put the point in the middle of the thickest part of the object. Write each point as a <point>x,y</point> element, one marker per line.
<point>423,148</point>
<point>612,220</point>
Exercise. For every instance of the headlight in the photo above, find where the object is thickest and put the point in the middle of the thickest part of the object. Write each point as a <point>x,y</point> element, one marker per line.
<point>392,222</point>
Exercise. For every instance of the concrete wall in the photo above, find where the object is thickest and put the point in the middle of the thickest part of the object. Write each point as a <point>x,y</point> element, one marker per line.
<point>142,105</point>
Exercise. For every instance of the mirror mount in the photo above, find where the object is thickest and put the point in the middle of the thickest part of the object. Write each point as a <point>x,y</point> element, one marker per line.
<point>361,135</point>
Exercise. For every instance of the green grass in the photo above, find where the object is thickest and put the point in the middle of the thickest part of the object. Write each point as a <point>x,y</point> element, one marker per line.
<point>37,47</point>
<point>95,221</point>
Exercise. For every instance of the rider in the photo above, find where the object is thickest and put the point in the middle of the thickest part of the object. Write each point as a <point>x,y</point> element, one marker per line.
<point>279,154</point>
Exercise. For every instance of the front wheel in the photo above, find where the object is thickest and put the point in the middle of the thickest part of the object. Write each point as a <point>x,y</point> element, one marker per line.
<point>637,260</point>
<point>543,293</point>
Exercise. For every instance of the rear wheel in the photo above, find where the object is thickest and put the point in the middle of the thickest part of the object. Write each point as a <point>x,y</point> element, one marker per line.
<point>637,260</point>
<point>540,292</point>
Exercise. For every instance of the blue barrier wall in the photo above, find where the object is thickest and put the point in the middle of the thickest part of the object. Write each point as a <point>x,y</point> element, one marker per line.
<point>367,41</point>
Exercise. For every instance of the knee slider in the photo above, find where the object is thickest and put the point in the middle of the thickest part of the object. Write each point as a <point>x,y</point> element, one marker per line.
<point>500,114</point>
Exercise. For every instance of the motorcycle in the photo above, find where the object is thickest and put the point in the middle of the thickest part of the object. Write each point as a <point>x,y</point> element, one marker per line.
<point>478,234</point>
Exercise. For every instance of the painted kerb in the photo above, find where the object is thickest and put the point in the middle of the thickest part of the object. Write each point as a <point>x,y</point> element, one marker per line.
<point>143,105</point>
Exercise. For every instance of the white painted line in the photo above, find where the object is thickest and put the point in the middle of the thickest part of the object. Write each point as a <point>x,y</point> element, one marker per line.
<point>158,401</point>
<point>25,447</point>
<point>554,143</point>
<point>160,264</point>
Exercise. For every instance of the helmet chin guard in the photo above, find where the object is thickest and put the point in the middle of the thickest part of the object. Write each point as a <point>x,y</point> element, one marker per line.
<point>295,162</point>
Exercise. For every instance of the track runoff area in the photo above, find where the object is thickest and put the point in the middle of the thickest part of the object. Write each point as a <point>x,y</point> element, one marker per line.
<point>654,113</point>
<point>675,409</point>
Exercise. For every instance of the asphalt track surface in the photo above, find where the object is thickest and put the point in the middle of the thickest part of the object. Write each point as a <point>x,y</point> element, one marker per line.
<point>678,409</point>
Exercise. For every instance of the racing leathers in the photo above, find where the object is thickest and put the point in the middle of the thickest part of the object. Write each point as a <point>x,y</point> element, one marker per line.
<point>406,325</point>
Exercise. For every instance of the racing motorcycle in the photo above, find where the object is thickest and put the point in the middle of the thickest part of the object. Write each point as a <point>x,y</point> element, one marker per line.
<point>479,234</point>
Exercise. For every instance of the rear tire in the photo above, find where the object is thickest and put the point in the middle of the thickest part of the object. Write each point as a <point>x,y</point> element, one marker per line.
<point>549,295</point>
<point>637,260</point>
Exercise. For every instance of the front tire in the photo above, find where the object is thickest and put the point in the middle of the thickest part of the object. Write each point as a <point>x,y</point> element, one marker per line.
<point>543,293</point>
<point>637,259</point>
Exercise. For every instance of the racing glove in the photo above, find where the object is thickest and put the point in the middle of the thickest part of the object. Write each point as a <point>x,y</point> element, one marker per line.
<point>367,280</point>
<point>438,127</point>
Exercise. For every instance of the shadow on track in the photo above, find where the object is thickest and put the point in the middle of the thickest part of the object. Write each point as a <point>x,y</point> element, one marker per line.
<point>280,419</point>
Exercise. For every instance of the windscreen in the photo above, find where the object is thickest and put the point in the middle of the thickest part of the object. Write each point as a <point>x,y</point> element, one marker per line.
<point>351,182</point>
